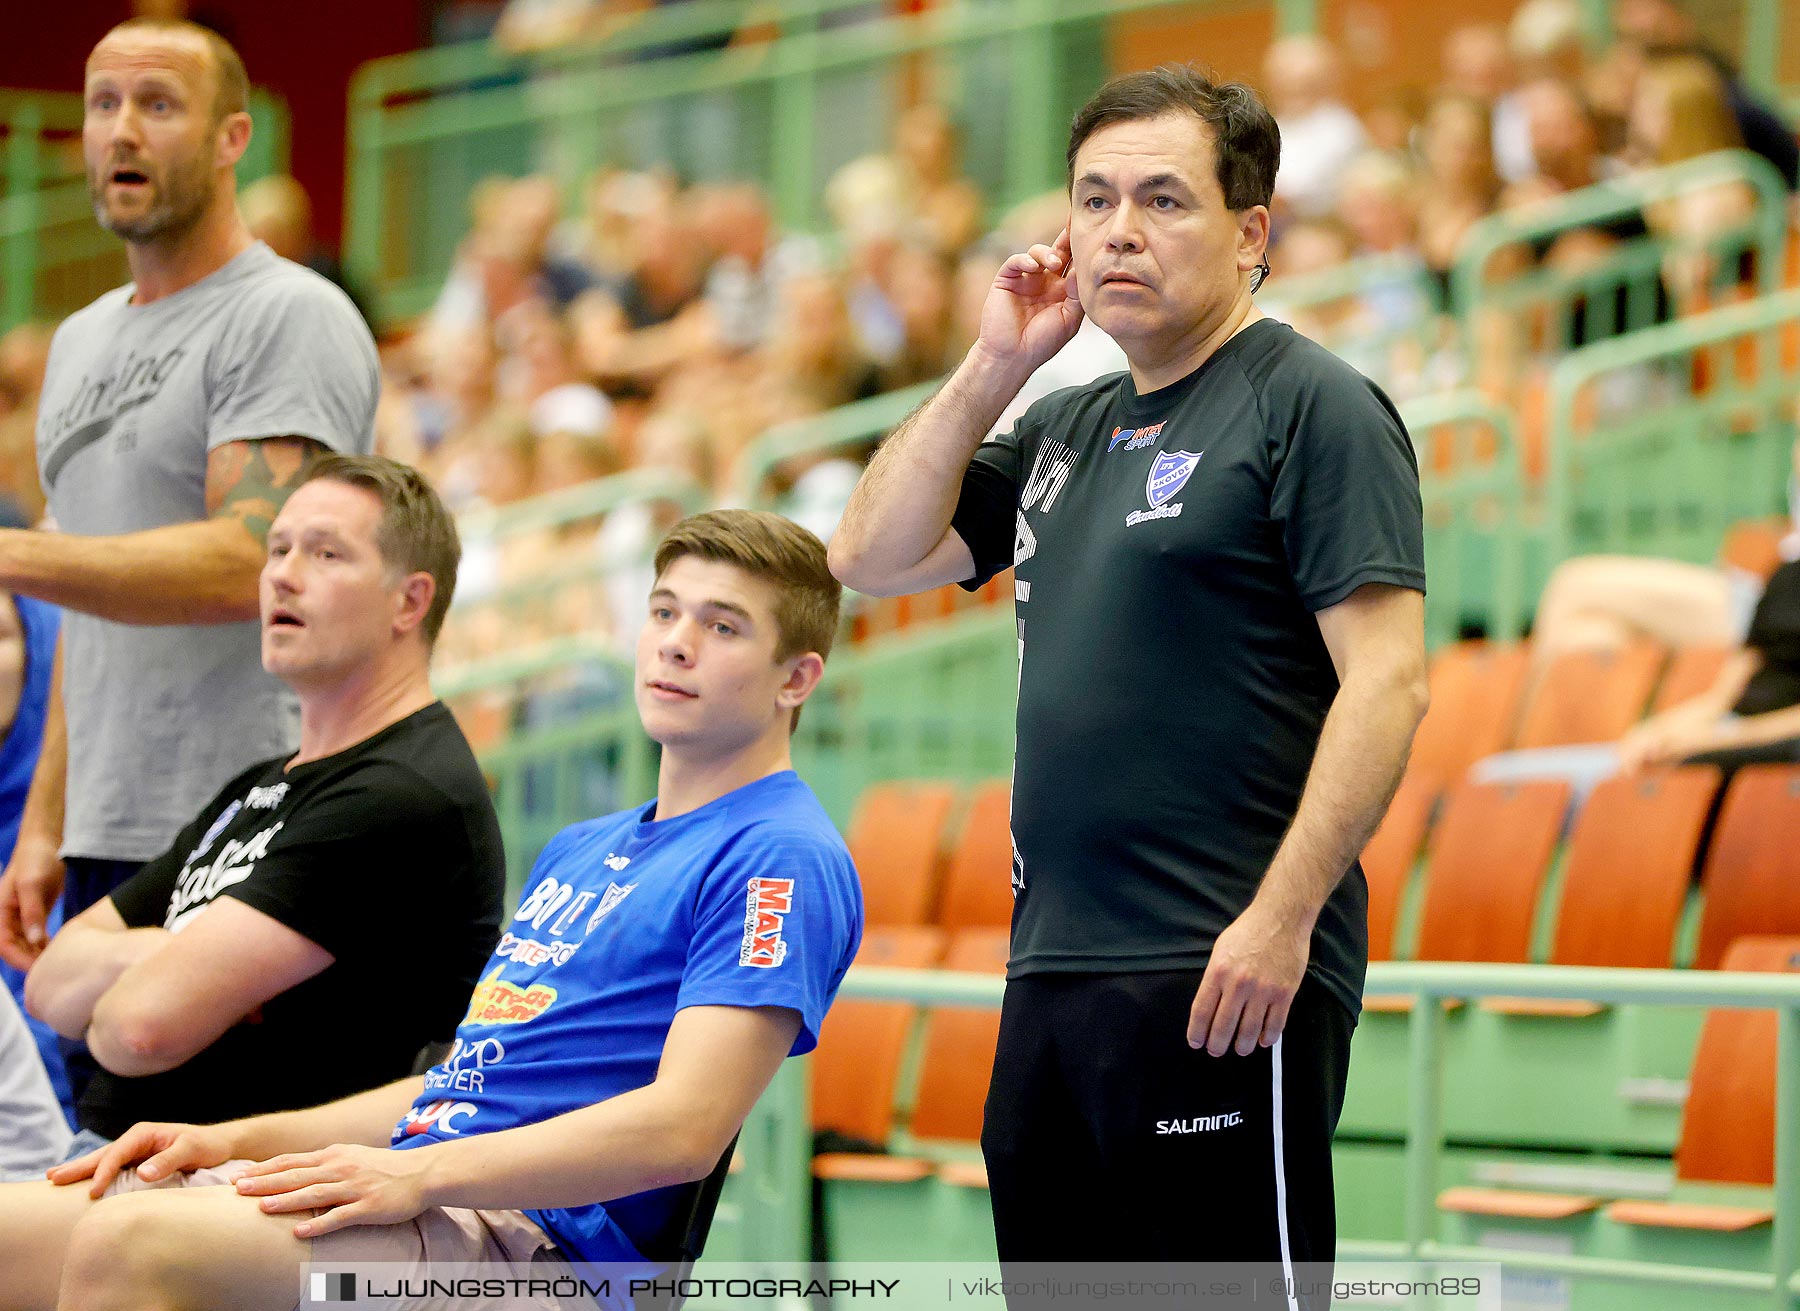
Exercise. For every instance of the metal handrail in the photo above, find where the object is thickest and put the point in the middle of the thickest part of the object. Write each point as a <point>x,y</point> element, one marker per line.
<point>1430,982</point>
<point>1622,198</point>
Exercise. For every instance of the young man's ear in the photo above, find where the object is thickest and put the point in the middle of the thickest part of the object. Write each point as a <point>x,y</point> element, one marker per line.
<point>414,601</point>
<point>804,673</point>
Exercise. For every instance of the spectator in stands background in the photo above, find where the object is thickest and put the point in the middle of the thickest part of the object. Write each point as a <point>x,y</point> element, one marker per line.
<point>177,415</point>
<point>551,1132</point>
<point>24,356</point>
<point>260,933</point>
<point>1459,186</point>
<point>1679,112</point>
<point>1319,133</point>
<point>1652,28</point>
<point>1478,64</point>
<point>28,637</point>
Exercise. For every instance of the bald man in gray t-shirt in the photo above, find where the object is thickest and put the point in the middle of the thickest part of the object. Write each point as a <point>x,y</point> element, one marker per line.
<point>177,414</point>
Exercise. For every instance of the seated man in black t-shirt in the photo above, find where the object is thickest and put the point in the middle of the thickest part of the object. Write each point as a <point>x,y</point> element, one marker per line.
<point>326,914</point>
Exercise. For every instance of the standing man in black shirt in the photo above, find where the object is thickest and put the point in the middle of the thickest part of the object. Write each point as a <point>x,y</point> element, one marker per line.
<point>1219,576</point>
<point>325,916</point>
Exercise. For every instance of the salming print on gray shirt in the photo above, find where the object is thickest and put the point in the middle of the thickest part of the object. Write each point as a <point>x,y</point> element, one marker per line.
<point>135,398</point>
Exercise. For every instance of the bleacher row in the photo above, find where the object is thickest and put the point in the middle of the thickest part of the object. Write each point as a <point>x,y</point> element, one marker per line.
<point>1669,868</point>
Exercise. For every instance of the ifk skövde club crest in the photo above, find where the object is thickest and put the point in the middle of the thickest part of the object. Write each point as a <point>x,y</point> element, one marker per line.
<point>1169,474</point>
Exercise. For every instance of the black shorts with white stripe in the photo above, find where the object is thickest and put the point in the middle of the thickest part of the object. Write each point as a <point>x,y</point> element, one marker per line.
<point>1108,1138</point>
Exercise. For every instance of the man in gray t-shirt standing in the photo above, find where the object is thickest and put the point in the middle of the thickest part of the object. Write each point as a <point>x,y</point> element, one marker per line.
<point>177,414</point>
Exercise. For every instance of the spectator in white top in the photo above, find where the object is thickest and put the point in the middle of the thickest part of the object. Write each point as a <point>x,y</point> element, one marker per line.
<point>1319,133</point>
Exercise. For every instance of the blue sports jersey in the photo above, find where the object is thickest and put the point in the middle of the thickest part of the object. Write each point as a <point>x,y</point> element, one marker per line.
<point>750,900</point>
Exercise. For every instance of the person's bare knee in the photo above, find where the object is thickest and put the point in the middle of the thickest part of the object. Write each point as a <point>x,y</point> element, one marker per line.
<point>197,1249</point>
<point>35,1223</point>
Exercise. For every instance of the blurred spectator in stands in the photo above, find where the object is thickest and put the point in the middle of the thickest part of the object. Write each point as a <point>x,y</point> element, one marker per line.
<point>1459,184</point>
<point>278,212</point>
<point>1565,143</point>
<point>630,337</point>
<point>1478,64</point>
<point>1545,40</point>
<point>1680,112</point>
<point>946,205</point>
<point>28,635</point>
<point>1319,133</point>
<point>507,259</point>
<point>1393,120</point>
<point>813,348</point>
<point>603,237</point>
<point>1750,714</point>
<point>24,356</point>
<point>446,379</point>
<point>915,191</point>
<point>744,281</point>
<point>1666,27</point>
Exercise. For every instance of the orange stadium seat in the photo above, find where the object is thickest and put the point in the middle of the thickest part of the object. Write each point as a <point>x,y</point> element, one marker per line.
<point>1591,696</point>
<point>1752,878</point>
<point>1389,858</point>
<point>897,840</point>
<point>1475,690</point>
<point>1727,1125</point>
<point>1692,670</point>
<point>1754,545</point>
<point>861,1043</point>
<point>978,882</point>
<point>1486,869</point>
<point>1630,864</point>
<point>959,1047</point>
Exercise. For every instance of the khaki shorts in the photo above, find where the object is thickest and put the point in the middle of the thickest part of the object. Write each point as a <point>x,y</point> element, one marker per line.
<point>409,1250</point>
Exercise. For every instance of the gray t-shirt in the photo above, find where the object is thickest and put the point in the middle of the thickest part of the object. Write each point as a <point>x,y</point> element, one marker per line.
<point>159,717</point>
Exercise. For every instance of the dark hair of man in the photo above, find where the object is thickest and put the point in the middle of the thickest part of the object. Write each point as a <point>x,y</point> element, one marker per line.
<point>231,84</point>
<point>416,535</point>
<point>1246,142</point>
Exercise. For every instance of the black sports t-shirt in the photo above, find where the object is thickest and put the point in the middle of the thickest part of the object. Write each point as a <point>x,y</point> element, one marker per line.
<point>1171,552</point>
<point>387,855</point>
<point>1775,636</point>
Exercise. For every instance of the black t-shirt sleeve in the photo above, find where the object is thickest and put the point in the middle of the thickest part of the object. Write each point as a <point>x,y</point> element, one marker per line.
<point>1345,494</point>
<point>143,899</point>
<point>987,505</point>
<point>353,851</point>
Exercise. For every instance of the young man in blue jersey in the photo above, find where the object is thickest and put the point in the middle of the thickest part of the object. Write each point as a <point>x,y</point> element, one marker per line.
<point>662,964</point>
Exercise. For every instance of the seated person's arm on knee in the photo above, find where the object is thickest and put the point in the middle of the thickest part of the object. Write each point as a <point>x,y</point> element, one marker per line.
<point>213,973</point>
<point>81,962</point>
<point>715,1064</point>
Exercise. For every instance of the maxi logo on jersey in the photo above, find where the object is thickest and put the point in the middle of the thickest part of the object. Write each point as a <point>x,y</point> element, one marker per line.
<point>1169,473</point>
<point>766,906</point>
<point>1135,439</point>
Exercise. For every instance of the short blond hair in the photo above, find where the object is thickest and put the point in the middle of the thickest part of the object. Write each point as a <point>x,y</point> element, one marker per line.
<point>231,84</point>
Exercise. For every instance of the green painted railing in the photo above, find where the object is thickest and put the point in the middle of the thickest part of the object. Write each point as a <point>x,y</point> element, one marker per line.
<point>1638,461</point>
<point>1625,291</point>
<point>1429,984</point>
<point>1381,313</point>
<point>53,257</point>
<point>1478,518</point>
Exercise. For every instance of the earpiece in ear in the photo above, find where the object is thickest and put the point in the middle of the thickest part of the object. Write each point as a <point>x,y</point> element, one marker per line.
<point>1259,275</point>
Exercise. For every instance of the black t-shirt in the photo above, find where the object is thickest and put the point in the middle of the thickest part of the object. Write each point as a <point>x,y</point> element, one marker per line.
<point>1171,552</point>
<point>1775,636</point>
<point>388,856</point>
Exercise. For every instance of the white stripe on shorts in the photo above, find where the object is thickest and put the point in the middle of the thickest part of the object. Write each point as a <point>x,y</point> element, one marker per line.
<point>1281,1216</point>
